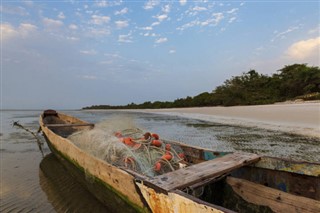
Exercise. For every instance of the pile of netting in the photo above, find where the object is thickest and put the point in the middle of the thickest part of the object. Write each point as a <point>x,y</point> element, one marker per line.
<point>142,152</point>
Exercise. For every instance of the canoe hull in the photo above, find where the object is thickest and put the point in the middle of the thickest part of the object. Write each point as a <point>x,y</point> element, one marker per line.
<point>103,192</point>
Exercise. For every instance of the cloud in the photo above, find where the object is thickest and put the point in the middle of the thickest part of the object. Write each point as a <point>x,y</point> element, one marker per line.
<point>121,24</point>
<point>215,20</point>
<point>52,23</point>
<point>122,12</point>
<point>182,2</point>
<point>233,10</point>
<point>304,49</point>
<point>99,32</point>
<point>161,40</point>
<point>8,31</point>
<point>282,35</point>
<point>161,17</point>
<point>21,11</point>
<point>73,27</point>
<point>102,3</point>
<point>232,19</point>
<point>155,24</point>
<point>166,8</point>
<point>197,8</point>
<point>61,15</point>
<point>125,38</point>
<point>88,52</point>
<point>217,17</point>
<point>151,4</point>
<point>172,51</point>
<point>147,28</point>
<point>99,20</point>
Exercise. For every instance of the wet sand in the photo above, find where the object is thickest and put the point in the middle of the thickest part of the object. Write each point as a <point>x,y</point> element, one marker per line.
<point>298,118</point>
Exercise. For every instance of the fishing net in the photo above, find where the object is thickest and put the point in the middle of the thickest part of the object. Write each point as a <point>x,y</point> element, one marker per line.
<point>119,143</point>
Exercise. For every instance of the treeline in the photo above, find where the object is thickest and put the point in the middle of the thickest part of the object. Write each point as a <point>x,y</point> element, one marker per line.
<point>297,81</point>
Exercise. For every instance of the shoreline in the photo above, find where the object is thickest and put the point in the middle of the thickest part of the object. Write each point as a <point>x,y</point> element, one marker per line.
<point>301,118</point>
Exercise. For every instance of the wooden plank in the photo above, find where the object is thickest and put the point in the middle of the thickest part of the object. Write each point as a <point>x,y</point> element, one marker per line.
<point>184,177</point>
<point>68,125</point>
<point>277,200</point>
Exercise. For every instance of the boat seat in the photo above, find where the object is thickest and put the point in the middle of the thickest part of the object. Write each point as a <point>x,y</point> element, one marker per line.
<point>196,173</point>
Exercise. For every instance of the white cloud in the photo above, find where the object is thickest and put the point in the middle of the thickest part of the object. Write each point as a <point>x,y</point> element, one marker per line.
<point>166,8</point>
<point>61,15</point>
<point>125,38</point>
<point>182,2</point>
<point>121,24</point>
<point>282,35</point>
<point>161,40</point>
<point>73,27</point>
<point>21,11</point>
<point>151,4</point>
<point>99,20</point>
<point>162,17</point>
<point>233,10</point>
<point>52,23</point>
<point>232,19</point>
<point>197,8</point>
<point>102,3</point>
<point>122,12</point>
<point>217,17</point>
<point>88,52</point>
<point>155,24</point>
<point>147,28</point>
<point>8,31</point>
<point>304,49</point>
<point>172,51</point>
<point>99,32</point>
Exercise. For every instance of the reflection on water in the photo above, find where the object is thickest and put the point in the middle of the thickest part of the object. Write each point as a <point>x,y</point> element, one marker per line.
<point>63,191</point>
<point>27,188</point>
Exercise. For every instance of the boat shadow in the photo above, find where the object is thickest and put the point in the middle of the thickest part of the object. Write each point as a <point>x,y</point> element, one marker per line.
<point>64,192</point>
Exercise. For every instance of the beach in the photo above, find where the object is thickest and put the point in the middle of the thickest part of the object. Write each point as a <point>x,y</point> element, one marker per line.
<point>296,118</point>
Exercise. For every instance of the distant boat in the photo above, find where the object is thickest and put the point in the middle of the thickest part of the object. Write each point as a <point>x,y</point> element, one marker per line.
<point>211,182</point>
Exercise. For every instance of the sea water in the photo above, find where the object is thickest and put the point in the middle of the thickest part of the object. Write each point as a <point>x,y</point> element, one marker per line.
<point>31,183</point>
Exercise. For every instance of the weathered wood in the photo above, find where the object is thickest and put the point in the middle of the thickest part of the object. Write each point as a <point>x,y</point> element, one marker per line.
<point>68,125</point>
<point>277,200</point>
<point>117,180</point>
<point>199,172</point>
<point>176,202</point>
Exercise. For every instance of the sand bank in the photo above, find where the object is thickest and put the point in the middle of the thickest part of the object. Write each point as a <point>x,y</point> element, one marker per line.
<point>299,118</point>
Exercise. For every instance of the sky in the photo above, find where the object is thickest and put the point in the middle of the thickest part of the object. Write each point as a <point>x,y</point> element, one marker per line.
<point>71,54</point>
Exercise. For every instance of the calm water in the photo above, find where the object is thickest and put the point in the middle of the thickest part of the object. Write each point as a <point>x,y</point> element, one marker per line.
<point>31,183</point>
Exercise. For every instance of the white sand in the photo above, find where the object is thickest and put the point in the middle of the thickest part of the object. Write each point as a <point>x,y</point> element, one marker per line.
<point>299,118</point>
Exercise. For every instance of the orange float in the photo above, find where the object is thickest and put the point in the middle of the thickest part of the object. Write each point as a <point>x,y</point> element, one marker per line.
<point>157,166</point>
<point>156,143</point>
<point>167,156</point>
<point>156,136</point>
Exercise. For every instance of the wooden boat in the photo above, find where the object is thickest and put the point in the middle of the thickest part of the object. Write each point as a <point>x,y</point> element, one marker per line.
<point>228,182</point>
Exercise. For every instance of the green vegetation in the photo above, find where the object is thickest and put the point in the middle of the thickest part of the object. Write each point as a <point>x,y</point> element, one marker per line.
<point>297,81</point>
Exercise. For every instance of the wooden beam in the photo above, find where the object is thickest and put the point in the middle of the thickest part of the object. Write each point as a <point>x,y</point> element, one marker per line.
<point>277,200</point>
<point>200,172</point>
<point>68,125</point>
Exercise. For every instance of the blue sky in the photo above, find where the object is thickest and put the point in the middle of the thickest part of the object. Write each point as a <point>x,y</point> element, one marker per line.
<point>71,54</point>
